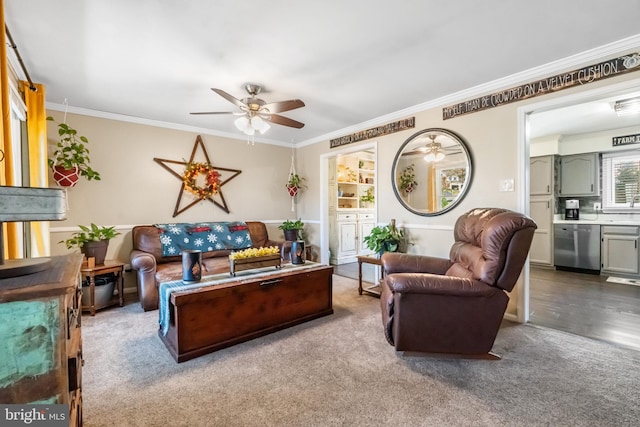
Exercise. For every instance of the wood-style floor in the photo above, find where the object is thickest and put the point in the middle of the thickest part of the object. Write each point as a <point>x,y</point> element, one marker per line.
<point>585,304</point>
<point>582,304</point>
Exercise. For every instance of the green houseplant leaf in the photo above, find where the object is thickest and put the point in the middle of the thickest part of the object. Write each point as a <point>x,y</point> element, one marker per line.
<point>71,152</point>
<point>93,233</point>
<point>292,225</point>
<point>384,239</point>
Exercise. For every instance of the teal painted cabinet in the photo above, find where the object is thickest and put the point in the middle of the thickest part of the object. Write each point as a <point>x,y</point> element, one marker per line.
<point>40,337</point>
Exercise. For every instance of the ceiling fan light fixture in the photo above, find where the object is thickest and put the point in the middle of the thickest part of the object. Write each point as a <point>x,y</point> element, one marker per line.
<point>244,124</point>
<point>259,124</point>
<point>434,156</point>
<point>627,107</point>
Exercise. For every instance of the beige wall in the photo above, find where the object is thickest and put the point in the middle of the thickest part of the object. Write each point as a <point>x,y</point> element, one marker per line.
<point>493,138</point>
<point>136,190</point>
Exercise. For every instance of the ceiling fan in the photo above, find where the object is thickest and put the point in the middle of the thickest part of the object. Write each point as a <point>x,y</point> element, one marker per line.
<point>255,112</point>
<point>434,151</point>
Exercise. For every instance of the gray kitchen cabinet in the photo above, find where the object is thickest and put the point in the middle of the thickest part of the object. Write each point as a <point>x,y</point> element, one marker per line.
<point>541,173</point>
<point>580,175</point>
<point>541,211</point>
<point>620,249</point>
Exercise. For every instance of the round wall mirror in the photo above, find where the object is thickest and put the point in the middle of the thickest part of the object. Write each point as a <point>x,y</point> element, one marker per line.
<point>432,172</point>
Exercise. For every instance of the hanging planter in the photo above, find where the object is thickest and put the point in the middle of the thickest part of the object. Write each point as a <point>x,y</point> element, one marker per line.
<point>408,179</point>
<point>71,154</point>
<point>65,177</point>
<point>292,189</point>
<point>294,183</point>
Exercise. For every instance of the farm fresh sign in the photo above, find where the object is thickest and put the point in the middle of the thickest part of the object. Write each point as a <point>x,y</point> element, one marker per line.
<point>624,140</point>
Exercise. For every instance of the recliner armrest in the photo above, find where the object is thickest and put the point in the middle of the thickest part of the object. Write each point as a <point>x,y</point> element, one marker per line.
<point>432,284</point>
<point>394,262</point>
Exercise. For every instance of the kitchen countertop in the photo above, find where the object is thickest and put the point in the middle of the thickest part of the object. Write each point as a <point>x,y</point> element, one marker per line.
<point>598,220</point>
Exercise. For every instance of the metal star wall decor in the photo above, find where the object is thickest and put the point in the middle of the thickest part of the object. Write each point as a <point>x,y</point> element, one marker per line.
<point>225,175</point>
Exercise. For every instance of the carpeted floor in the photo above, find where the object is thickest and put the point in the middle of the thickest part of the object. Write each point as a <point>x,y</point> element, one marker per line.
<point>340,371</point>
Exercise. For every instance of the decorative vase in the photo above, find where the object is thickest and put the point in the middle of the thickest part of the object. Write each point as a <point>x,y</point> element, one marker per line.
<point>66,177</point>
<point>297,252</point>
<point>191,266</point>
<point>292,189</point>
<point>97,249</point>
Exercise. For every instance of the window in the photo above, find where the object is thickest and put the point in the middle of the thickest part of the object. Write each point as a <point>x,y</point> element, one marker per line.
<point>621,180</point>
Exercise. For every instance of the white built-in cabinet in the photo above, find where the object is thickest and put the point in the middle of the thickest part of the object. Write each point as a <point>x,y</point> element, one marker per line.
<point>352,178</point>
<point>541,209</point>
<point>579,175</point>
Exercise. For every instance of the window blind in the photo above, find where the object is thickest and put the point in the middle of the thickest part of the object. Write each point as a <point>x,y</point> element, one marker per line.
<point>620,178</point>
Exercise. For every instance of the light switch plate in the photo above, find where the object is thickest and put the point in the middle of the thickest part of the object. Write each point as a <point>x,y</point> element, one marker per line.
<point>507,184</point>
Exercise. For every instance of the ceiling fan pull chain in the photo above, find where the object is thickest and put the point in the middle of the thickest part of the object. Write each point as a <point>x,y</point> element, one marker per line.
<point>66,107</point>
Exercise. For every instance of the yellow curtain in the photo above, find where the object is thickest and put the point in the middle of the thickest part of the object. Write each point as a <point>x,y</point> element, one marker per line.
<point>7,165</point>
<point>38,172</point>
<point>432,196</point>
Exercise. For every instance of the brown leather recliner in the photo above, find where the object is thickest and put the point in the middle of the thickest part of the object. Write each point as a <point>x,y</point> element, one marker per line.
<point>456,305</point>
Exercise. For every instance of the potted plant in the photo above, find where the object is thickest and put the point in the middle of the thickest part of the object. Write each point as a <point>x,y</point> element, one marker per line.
<point>367,197</point>
<point>292,229</point>
<point>92,241</point>
<point>408,179</point>
<point>385,239</point>
<point>294,184</point>
<point>70,160</point>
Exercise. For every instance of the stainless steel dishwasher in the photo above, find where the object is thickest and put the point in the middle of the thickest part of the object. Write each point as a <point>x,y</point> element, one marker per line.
<point>577,247</point>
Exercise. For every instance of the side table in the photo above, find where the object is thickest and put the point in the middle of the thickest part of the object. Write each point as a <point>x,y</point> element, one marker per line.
<point>369,259</point>
<point>109,266</point>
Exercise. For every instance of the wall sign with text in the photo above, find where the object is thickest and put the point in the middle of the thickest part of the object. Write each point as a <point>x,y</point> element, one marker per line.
<point>624,140</point>
<point>589,74</point>
<point>375,132</point>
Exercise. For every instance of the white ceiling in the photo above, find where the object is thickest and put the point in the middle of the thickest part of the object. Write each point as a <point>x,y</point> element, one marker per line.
<point>585,117</point>
<point>352,62</point>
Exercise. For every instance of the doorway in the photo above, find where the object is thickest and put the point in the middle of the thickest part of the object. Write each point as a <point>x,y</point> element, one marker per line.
<point>578,303</point>
<point>331,206</point>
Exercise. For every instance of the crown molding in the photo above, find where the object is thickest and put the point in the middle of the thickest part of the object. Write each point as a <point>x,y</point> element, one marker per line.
<point>584,58</point>
<point>609,50</point>
<point>157,123</point>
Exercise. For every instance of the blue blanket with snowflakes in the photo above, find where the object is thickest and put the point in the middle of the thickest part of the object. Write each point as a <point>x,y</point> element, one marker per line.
<point>204,236</point>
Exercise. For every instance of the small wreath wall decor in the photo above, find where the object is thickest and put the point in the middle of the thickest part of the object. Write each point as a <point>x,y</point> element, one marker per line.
<point>211,179</point>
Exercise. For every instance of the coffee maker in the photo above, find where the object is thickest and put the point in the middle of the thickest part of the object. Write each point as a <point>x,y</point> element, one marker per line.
<point>572,209</point>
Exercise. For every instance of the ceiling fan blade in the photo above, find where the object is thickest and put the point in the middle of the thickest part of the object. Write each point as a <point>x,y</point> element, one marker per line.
<point>229,98</point>
<point>413,153</point>
<point>282,106</point>
<point>282,120</point>
<point>214,112</point>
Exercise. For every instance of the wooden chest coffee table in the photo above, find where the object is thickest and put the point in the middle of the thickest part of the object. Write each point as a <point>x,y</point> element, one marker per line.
<point>226,312</point>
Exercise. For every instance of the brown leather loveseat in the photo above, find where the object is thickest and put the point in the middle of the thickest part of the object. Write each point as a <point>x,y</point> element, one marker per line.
<point>152,267</point>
